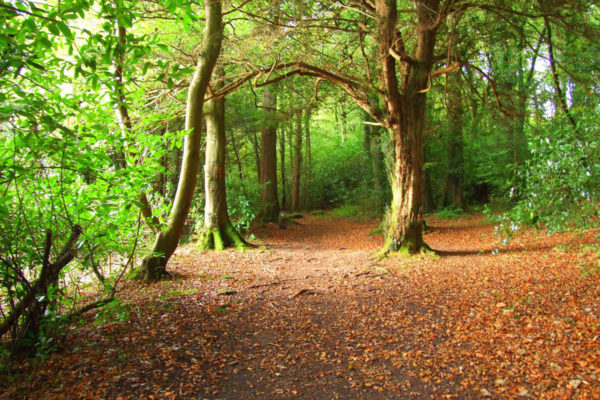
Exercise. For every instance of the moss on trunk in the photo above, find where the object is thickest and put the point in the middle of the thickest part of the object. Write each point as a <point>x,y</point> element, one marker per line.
<point>220,238</point>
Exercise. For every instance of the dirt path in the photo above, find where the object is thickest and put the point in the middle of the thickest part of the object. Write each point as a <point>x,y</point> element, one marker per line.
<point>315,316</point>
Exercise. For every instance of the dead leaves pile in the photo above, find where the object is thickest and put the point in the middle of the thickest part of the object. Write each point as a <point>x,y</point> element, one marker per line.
<point>315,316</point>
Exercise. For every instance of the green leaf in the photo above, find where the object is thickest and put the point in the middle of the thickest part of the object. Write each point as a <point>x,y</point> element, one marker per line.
<point>64,28</point>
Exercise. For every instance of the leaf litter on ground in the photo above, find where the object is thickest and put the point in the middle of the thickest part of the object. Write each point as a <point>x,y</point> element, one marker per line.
<point>304,319</point>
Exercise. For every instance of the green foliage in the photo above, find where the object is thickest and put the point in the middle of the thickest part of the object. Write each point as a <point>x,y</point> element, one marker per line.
<point>449,212</point>
<point>561,181</point>
<point>241,214</point>
<point>242,202</point>
<point>64,158</point>
<point>346,210</point>
<point>115,311</point>
<point>340,174</point>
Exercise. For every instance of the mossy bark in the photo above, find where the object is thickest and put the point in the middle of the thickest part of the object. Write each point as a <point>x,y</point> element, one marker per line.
<point>405,118</point>
<point>218,233</point>
<point>154,265</point>
<point>220,238</point>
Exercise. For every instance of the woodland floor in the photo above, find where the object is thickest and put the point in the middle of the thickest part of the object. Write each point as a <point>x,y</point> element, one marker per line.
<point>315,316</point>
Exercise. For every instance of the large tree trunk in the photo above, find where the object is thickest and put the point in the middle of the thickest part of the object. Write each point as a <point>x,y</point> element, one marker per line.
<point>154,265</point>
<point>297,168</point>
<point>218,233</point>
<point>405,229</point>
<point>406,115</point>
<point>269,201</point>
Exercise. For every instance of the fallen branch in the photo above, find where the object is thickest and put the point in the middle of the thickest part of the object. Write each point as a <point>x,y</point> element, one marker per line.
<point>269,284</point>
<point>306,292</point>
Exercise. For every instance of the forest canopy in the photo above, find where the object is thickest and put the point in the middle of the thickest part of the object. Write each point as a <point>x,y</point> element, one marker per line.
<point>129,126</point>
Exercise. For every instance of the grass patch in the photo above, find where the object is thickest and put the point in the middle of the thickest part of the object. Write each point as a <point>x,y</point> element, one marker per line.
<point>451,212</point>
<point>353,211</point>
<point>115,311</point>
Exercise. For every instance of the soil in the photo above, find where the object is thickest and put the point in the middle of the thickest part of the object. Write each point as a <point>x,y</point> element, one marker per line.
<point>312,314</point>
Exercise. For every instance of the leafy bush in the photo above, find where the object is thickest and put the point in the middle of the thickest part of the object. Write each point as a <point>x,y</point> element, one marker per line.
<point>561,180</point>
<point>342,174</point>
<point>70,176</point>
<point>449,212</point>
<point>241,214</point>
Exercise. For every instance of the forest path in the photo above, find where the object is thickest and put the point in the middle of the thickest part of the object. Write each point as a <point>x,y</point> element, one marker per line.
<point>314,316</point>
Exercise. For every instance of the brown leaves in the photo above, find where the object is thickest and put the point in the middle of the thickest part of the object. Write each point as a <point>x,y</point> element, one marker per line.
<point>472,323</point>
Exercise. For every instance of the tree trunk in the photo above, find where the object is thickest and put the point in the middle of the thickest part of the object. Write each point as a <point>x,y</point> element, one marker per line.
<point>282,168</point>
<point>307,154</point>
<point>343,126</point>
<point>297,169</point>
<point>405,230</point>
<point>406,115</point>
<point>269,201</point>
<point>256,148</point>
<point>238,161</point>
<point>154,265</point>
<point>218,232</point>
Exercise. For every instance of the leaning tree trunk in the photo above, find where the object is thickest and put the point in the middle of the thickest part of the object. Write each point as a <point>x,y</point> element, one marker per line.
<point>218,232</point>
<point>154,265</point>
<point>269,201</point>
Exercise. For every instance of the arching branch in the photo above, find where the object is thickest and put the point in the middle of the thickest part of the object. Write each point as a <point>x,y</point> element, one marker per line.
<point>492,84</point>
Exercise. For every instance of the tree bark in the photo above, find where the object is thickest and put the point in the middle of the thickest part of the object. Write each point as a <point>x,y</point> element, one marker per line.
<point>308,156</point>
<point>269,201</point>
<point>218,232</point>
<point>282,168</point>
<point>406,115</point>
<point>297,169</point>
<point>343,126</point>
<point>154,265</point>
<point>256,148</point>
